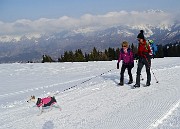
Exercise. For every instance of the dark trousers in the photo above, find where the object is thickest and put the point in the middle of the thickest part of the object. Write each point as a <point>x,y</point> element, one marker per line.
<point>123,68</point>
<point>141,63</point>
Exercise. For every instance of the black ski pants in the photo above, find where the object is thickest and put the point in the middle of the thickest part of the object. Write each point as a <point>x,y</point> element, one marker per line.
<point>123,68</point>
<point>141,63</point>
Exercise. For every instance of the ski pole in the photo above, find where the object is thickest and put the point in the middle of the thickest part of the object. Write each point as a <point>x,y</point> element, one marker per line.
<point>151,70</point>
<point>154,76</point>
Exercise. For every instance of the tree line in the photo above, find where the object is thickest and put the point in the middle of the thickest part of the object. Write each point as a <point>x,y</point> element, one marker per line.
<point>168,50</point>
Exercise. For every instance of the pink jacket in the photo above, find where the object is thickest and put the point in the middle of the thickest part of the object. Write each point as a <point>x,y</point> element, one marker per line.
<point>127,58</point>
<point>45,101</point>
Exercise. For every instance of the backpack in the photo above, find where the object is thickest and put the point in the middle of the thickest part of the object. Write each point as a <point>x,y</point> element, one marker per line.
<point>153,46</point>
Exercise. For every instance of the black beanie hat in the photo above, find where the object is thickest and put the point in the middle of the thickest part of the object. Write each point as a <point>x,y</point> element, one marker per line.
<point>141,35</point>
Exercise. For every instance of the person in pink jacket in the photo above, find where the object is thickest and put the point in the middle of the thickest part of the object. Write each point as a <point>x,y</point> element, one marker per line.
<point>127,57</point>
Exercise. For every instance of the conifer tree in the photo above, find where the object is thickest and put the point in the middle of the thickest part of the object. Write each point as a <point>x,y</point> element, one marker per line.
<point>134,48</point>
<point>86,57</point>
<point>111,53</point>
<point>93,55</point>
<point>170,50</point>
<point>79,57</point>
<point>117,53</point>
<point>46,58</point>
<point>178,48</point>
<point>160,53</point>
<point>165,50</point>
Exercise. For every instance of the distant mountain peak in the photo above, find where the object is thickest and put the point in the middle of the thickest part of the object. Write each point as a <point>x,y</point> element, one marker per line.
<point>154,11</point>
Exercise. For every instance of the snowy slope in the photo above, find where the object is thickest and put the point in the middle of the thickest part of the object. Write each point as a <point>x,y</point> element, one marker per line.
<point>94,101</point>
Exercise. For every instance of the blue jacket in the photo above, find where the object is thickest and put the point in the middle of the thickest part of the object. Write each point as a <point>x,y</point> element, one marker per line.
<point>153,48</point>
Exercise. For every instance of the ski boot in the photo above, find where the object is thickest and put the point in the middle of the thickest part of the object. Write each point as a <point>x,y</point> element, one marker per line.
<point>136,86</point>
<point>121,83</point>
<point>148,84</point>
<point>130,82</point>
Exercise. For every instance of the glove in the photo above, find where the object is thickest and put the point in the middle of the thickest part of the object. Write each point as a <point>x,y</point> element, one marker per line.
<point>117,65</point>
<point>152,56</point>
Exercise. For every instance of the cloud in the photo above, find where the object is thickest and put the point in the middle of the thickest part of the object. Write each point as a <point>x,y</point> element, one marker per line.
<point>45,25</point>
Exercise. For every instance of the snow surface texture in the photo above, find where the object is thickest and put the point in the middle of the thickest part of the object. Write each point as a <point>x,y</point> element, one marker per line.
<point>89,96</point>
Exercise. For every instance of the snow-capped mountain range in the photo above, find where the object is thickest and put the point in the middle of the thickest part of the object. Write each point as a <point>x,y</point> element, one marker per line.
<point>33,46</point>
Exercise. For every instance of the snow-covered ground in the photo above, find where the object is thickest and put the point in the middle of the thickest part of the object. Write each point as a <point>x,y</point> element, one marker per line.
<point>89,96</point>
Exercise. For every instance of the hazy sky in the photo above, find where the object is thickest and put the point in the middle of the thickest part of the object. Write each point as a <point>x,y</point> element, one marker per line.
<point>12,10</point>
<point>34,17</point>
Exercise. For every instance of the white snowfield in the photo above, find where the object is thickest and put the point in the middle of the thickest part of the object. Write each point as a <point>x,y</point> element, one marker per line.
<point>89,96</point>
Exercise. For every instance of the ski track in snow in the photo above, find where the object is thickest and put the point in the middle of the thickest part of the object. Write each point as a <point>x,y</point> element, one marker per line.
<point>101,104</point>
<point>43,87</point>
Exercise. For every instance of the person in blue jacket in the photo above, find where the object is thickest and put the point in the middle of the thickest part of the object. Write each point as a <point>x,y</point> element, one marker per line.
<point>153,47</point>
